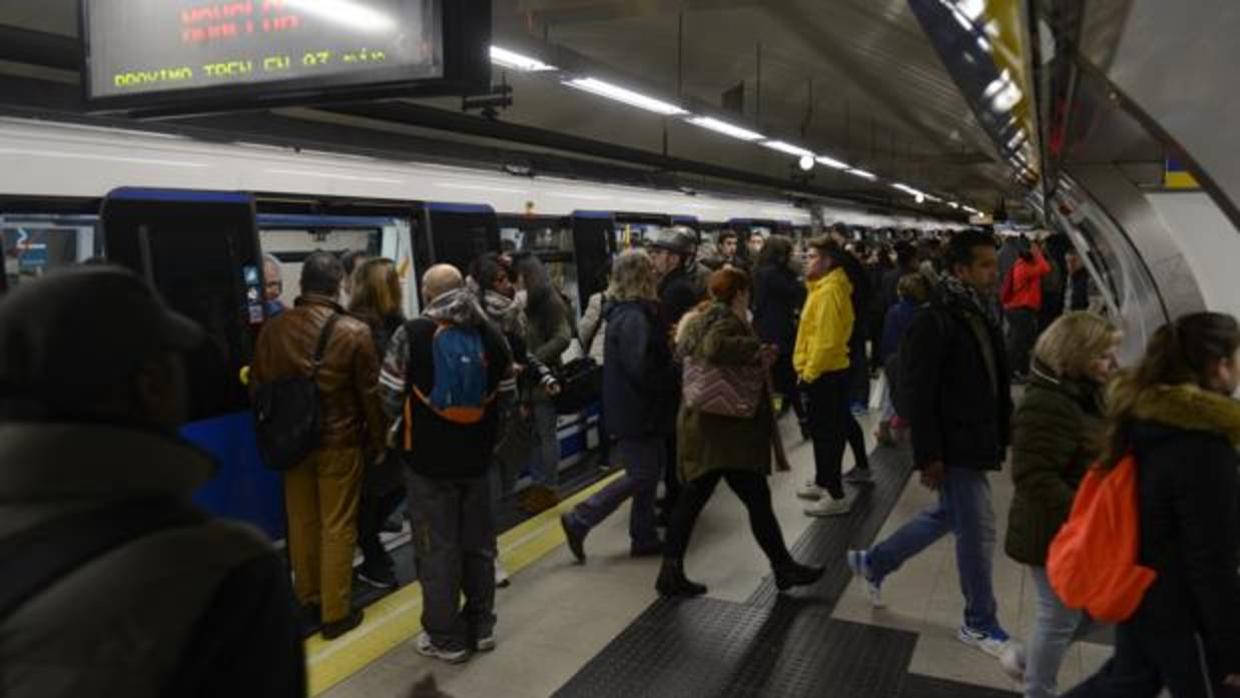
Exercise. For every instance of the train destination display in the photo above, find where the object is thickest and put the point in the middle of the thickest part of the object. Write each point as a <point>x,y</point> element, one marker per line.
<point>143,48</point>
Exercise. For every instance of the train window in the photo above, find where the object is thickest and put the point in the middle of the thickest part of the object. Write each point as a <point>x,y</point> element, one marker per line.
<point>291,247</point>
<point>455,234</point>
<point>36,244</point>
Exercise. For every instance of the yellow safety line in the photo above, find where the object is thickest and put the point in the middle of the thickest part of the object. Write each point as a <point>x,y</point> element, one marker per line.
<point>397,617</point>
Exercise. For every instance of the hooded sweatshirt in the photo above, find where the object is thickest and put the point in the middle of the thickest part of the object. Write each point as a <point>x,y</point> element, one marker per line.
<point>826,326</point>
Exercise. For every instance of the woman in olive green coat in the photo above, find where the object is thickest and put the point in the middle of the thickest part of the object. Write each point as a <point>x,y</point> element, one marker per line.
<point>715,447</point>
<point>1057,432</point>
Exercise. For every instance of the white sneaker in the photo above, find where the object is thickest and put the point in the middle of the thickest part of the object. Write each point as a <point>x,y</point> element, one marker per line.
<point>995,643</point>
<point>811,490</point>
<point>829,506</point>
<point>426,648</point>
<point>859,563</point>
<point>1013,662</point>
<point>486,644</point>
<point>501,575</point>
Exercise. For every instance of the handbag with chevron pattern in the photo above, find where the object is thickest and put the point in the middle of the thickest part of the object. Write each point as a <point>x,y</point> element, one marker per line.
<point>728,391</point>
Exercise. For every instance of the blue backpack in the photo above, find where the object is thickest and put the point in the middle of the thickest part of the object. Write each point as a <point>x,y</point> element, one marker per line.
<point>459,390</point>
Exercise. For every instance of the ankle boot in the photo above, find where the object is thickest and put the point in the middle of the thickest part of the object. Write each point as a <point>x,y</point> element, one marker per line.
<point>794,574</point>
<point>672,580</point>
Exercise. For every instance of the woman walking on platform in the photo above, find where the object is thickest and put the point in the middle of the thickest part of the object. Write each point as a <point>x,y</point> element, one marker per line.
<point>715,447</point>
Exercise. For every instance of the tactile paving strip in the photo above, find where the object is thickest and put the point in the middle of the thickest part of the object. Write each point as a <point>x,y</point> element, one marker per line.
<point>827,540</point>
<point>917,686</point>
<point>706,647</point>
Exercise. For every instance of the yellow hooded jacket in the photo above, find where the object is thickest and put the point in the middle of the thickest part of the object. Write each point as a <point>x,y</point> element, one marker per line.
<point>826,325</point>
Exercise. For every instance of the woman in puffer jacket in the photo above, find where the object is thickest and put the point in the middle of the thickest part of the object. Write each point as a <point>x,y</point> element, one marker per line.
<point>1056,434</point>
<point>1176,415</point>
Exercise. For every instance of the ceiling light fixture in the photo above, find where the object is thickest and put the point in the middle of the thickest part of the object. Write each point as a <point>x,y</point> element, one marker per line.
<point>629,97</point>
<point>806,163</point>
<point>862,174</point>
<point>832,163</point>
<point>726,129</point>
<point>788,148</point>
<point>515,61</point>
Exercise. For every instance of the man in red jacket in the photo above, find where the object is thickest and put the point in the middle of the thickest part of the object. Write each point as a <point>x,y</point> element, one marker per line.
<point>1022,301</point>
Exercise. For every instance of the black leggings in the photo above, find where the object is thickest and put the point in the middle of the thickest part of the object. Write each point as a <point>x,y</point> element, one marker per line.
<point>752,489</point>
<point>856,441</point>
<point>372,512</point>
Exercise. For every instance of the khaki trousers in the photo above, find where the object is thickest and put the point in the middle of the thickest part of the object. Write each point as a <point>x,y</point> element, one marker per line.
<point>320,496</point>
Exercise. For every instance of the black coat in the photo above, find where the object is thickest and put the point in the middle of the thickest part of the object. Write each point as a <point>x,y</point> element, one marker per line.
<point>641,385</point>
<point>777,297</point>
<point>956,414</point>
<point>1190,532</point>
<point>678,294</point>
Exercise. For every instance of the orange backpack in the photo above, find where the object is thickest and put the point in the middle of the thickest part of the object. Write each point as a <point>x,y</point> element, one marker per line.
<point>1092,563</point>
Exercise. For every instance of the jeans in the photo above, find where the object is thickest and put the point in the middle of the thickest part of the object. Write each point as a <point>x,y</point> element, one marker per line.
<point>1022,334</point>
<point>1055,628</point>
<point>964,510</point>
<point>454,546</point>
<point>751,488</point>
<point>643,460</point>
<point>829,424</point>
<point>545,470</point>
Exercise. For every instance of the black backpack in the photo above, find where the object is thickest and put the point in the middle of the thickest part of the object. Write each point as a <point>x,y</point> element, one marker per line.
<point>288,414</point>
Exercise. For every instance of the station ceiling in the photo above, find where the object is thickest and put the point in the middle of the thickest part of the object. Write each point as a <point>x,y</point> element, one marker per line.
<point>857,80</point>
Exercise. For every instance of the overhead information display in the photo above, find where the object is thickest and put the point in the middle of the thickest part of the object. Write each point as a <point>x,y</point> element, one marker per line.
<point>144,48</point>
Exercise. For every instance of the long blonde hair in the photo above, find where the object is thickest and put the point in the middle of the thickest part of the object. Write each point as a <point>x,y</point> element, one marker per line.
<point>1179,352</point>
<point>633,277</point>
<point>376,290</point>
<point>1073,341</point>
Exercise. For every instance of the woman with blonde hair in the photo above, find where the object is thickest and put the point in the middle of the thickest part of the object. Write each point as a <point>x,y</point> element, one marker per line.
<point>1057,433</point>
<point>639,383</point>
<point>376,300</point>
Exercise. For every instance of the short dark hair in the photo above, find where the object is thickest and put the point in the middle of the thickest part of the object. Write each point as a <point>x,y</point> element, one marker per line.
<point>322,273</point>
<point>728,235</point>
<point>960,248</point>
<point>487,269</point>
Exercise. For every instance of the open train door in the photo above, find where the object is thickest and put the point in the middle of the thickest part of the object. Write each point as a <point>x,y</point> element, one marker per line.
<point>200,250</point>
<point>594,245</point>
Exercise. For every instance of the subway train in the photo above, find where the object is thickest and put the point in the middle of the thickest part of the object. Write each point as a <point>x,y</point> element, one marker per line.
<point>196,218</point>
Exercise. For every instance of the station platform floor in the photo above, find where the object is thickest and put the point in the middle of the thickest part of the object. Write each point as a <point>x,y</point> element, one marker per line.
<point>601,630</point>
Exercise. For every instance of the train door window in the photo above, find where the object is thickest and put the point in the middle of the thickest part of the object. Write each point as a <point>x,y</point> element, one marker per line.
<point>553,245</point>
<point>455,234</point>
<point>36,244</point>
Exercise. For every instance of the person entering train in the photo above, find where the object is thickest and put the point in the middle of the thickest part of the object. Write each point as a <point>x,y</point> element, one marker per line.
<point>1057,432</point>
<point>671,250</point>
<point>440,379</point>
<point>376,301</point>
<point>821,360</point>
<point>954,378</point>
<point>548,333</point>
<point>115,584</point>
<point>639,386</point>
<point>1175,414</point>
<point>273,286</point>
<point>321,494</point>
<point>734,448</point>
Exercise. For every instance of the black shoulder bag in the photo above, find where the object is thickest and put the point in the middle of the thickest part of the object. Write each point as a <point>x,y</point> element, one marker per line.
<point>288,414</point>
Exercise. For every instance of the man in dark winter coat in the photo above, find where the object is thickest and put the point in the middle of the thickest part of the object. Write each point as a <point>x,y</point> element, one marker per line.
<point>958,403</point>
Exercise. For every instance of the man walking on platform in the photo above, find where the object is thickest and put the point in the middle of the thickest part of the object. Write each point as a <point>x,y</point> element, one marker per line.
<point>321,493</point>
<point>957,394</point>
<point>440,379</point>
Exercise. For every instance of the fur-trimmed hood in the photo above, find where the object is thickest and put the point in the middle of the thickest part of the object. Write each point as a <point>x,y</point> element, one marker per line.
<point>1190,407</point>
<point>693,327</point>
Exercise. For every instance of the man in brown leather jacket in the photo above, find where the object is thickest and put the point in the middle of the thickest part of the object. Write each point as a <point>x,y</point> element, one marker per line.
<point>321,494</point>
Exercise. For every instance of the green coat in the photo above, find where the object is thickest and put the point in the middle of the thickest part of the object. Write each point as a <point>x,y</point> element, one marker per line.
<point>708,442</point>
<point>1057,433</point>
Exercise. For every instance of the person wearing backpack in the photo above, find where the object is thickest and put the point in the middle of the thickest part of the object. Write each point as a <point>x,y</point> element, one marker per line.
<point>322,491</point>
<point>1175,414</point>
<point>1056,435</point>
<point>440,378</point>
<point>954,391</point>
<point>115,584</point>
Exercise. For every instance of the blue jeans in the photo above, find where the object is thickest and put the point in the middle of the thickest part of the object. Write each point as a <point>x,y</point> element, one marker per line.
<point>1055,629</point>
<point>964,510</point>
<point>545,470</point>
<point>643,460</point>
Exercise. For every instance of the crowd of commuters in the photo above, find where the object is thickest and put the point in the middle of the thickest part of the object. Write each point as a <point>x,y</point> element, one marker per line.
<point>443,411</point>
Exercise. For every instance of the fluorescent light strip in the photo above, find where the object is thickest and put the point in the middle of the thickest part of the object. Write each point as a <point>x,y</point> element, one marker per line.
<point>832,162</point>
<point>515,61</point>
<point>788,148</point>
<point>862,174</point>
<point>629,97</point>
<point>726,129</point>
<point>907,189</point>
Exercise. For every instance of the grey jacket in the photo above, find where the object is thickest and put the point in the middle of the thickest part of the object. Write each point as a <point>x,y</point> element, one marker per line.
<point>192,611</point>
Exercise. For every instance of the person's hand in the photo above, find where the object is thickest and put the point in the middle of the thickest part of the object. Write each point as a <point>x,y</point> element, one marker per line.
<point>933,474</point>
<point>553,388</point>
<point>518,369</point>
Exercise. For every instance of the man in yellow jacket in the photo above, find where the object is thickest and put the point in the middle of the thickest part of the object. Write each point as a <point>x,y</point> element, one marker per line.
<point>821,362</point>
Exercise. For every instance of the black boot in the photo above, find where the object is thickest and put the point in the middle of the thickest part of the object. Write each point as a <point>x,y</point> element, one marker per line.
<point>672,580</point>
<point>794,574</point>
